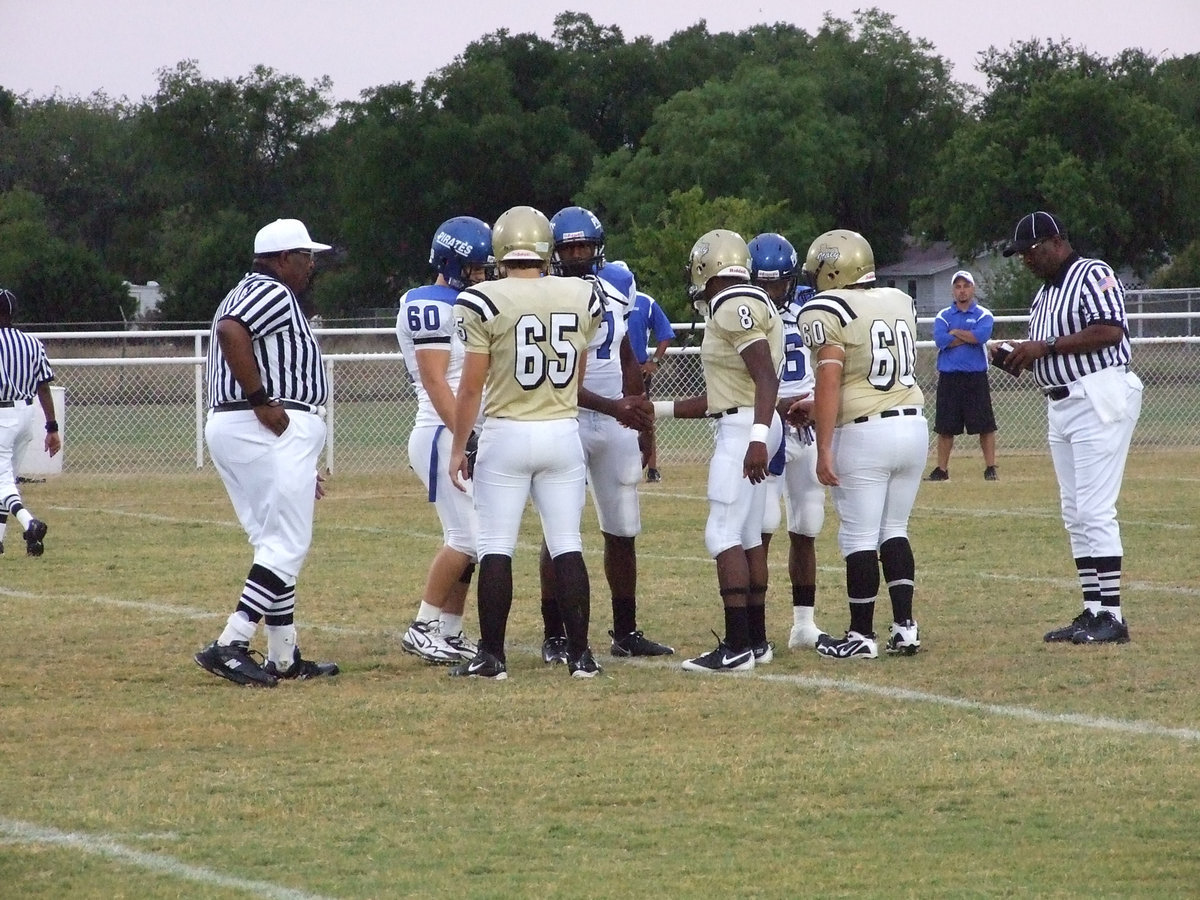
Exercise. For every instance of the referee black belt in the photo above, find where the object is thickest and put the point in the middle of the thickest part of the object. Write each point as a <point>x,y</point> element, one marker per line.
<point>725,412</point>
<point>1057,393</point>
<point>9,404</point>
<point>889,414</point>
<point>239,405</point>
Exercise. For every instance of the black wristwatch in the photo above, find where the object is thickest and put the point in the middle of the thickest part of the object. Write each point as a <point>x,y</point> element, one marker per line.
<point>1051,342</point>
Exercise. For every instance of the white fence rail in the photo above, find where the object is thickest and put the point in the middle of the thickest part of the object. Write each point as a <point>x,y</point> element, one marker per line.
<point>135,399</point>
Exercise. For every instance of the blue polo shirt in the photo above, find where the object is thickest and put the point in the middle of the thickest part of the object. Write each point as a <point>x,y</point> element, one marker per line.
<point>965,357</point>
<point>646,317</point>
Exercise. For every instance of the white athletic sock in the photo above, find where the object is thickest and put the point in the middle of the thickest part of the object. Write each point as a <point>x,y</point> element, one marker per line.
<point>24,516</point>
<point>451,625</point>
<point>281,645</point>
<point>802,615</point>
<point>428,612</point>
<point>237,628</point>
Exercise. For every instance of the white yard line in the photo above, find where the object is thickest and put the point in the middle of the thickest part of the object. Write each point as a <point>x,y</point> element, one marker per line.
<point>27,834</point>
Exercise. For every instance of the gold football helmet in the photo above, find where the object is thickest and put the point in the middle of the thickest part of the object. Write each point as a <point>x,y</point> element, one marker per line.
<point>522,233</point>
<point>719,252</point>
<point>838,259</point>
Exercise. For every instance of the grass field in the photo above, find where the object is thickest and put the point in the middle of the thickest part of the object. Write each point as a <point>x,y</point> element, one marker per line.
<point>990,764</point>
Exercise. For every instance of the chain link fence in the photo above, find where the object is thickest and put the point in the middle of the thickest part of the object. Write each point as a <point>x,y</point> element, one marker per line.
<point>135,401</point>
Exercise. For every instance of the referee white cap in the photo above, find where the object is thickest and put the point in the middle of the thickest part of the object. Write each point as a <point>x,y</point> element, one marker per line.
<point>1035,227</point>
<point>285,234</point>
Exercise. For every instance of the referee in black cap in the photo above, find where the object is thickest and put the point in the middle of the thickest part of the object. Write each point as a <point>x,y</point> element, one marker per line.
<point>1079,352</point>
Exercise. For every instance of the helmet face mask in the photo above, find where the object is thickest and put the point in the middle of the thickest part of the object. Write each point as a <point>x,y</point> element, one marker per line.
<point>718,253</point>
<point>773,267</point>
<point>839,259</point>
<point>579,232</point>
<point>461,250</point>
<point>522,234</point>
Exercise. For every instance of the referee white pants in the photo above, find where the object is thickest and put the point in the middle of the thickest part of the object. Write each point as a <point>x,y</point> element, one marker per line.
<point>1089,433</point>
<point>271,481</point>
<point>14,438</point>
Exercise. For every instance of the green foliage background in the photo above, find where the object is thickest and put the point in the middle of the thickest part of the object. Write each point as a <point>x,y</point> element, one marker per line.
<point>857,125</point>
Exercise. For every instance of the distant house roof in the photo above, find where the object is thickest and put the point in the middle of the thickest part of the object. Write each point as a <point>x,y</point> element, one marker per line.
<point>919,261</point>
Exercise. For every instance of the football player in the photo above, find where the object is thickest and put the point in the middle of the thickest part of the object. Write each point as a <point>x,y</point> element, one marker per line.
<point>773,267</point>
<point>740,356</point>
<point>425,328</point>
<point>526,338</point>
<point>871,433</point>
<point>613,409</point>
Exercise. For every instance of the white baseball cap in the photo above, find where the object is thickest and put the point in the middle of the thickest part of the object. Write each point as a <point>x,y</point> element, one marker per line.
<point>964,275</point>
<point>285,234</point>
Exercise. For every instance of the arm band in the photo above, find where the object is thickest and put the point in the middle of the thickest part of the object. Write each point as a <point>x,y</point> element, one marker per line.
<point>664,409</point>
<point>829,362</point>
<point>759,433</point>
<point>51,426</point>
<point>258,398</point>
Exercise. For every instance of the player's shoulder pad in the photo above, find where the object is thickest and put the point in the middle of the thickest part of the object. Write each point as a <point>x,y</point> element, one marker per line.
<point>478,302</point>
<point>738,292</point>
<point>832,304</point>
<point>440,292</point>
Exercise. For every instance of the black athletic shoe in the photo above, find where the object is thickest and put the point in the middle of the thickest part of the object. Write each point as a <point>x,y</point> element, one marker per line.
<point>233,661</point>
<point>763,653</point>
<point>1104,629</point>
<point>585,666</point>
<point>484,665</point>
<point>1,546</point>
<point>653,476</point>
<point>1067,633</point>
<point>301,669</point>
<point>554,650</point>
<point>721,659</point>
<point>637,644</point>
<point>989,474</point>
<point>33,537</point>
<point>938,474</point>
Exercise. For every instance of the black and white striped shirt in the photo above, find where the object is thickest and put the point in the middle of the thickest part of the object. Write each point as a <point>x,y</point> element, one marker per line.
<point>289,360</point>
<point>1086,292</point>
<point>23,365</point>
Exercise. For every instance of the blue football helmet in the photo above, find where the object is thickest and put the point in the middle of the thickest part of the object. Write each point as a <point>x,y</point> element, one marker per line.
<point>574,225</point>
<point>460,243</point>
<point>773,259</point>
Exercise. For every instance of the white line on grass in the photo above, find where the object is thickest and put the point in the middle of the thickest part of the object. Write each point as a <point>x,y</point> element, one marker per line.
<point>1099,723</point>
<point>99,845</point>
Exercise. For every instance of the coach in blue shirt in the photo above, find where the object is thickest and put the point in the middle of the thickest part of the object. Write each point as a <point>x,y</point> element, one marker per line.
<point>964,399</point>
<point>646,319</point>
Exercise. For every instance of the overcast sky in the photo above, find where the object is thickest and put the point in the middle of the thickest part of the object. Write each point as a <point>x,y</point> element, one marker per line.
<point>76,47</point>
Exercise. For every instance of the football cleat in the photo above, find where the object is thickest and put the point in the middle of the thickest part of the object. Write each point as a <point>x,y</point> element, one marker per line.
<point>585,666</point>
<point>637,644</point>
<point>301,669</point>
<point>852,646</point>
<point>33,537</point>
<point>554,650</point>
<point>462,645</point>
<point>1067,633</point>
<point>233,661</point>
<point>763,653</point>
<point>484,665</point>
<point>424,639</point>
<point>1104,629</point>
<point>804,636</point>
<point>905,638</point>
<point>722,659</point>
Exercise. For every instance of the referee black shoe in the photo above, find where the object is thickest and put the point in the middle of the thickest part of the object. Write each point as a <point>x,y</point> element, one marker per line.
<point>1105,629</point>
<point>301,669</point>
<point>1066,634</point>
<point>33,537</point>
<point>637,644</point>
<point>233,661</point>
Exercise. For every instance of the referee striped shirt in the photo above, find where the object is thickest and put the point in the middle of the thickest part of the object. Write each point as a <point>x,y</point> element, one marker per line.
<point>1084,293</point>
<point>23,365</point>
<point>289,360</point>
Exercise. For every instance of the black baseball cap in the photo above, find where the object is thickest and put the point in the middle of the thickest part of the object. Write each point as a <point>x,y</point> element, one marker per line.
<point>1037,226</point>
